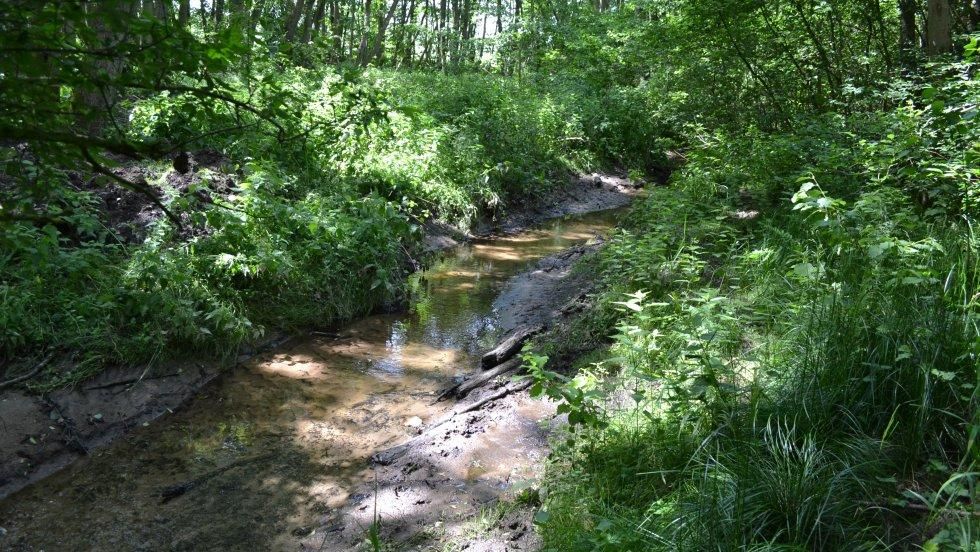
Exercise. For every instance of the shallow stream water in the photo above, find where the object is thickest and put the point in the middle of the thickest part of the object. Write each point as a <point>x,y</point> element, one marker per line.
<point>275,445</point>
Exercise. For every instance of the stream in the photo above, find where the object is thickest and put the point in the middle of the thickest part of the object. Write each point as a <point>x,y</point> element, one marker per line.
<point>270,451</point>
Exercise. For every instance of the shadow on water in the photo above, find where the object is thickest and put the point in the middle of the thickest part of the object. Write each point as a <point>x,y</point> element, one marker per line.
<point>270,449</point>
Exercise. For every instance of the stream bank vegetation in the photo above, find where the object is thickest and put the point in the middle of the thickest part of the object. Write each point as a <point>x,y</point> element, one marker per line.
<point>793,320</point>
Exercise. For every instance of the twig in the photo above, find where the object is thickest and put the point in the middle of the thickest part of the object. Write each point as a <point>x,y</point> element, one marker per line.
<point>128,381</point>
<point>28,375</point>
<point>169,493</point>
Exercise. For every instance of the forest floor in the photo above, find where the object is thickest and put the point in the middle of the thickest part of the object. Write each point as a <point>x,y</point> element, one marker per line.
<point>448,488</point>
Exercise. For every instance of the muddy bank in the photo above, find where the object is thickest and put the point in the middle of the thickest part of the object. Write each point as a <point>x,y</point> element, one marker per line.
<point>583,193</point>
<point>470,476</point>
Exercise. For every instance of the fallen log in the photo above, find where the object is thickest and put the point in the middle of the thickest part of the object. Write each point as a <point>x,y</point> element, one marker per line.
<point>519,386</point>
<point>462,388</point>
<point>509,347</point>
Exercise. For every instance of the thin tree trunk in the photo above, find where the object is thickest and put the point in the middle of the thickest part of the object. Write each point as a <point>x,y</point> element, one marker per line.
<point>483,38</point>
<point>939,28</point>
<point>362,49</point>
<point>441,35</point>
<point>203,12</point>
<point>424,57</point>
<point>409,53</point>
<point>828,66</point>
<point>321,8</point>
<point>336,30</point>
<point>757,75</point>
<point>906,12</point>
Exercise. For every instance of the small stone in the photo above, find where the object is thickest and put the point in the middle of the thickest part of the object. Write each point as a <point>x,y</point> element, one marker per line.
<point>414,422</point>
<point>97,417</point>
<point>54,415</point>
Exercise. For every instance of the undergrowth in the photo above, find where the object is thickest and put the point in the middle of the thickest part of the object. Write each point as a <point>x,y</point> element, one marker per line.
<point>794,347</point>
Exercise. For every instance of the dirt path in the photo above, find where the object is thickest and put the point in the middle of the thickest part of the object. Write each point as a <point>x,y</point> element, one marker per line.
<point>277,454</point>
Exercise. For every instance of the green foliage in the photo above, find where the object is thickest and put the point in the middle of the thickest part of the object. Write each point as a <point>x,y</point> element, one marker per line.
<point>799,370</point>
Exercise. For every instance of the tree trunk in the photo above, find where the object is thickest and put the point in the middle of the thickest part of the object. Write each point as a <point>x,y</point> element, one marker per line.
<point>336,31</point>
<point>321,8</point>
<point>409,46</point>
<point>483,39</point>
<point>184,13</point>
<point>379,40</point>
<point>292,24</point>
<point>311,8</point>
<point>158,9</point>
<point>906,11</point>
<point>362,49</point>
<point>441,34</point>
<point>939,28</point>
<point>203,11</point>
<point>94,104</point>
